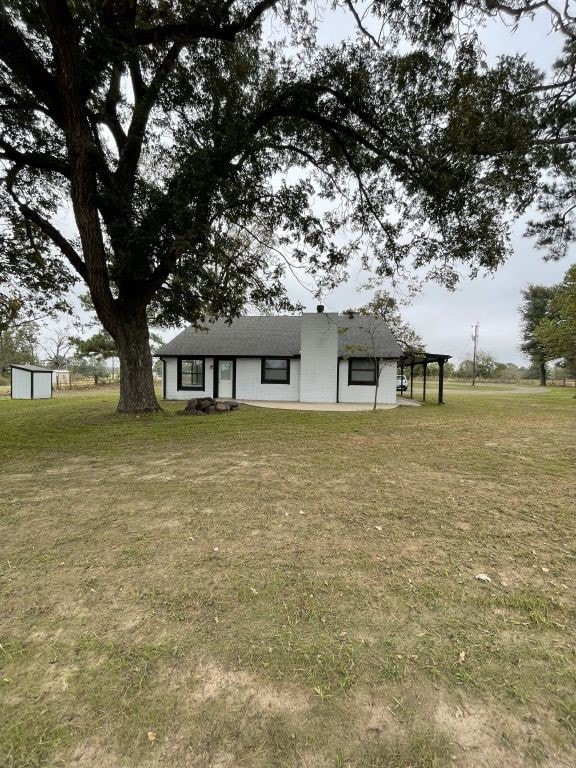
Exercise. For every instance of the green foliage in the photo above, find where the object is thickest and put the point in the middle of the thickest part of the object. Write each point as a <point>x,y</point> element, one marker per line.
<point>486,367</point>
<point>387,307</point>
<point>99,345</point>
<point>534,308</point>
<point>18,335</point>
<point>183,182</point>
<point>556,333</point>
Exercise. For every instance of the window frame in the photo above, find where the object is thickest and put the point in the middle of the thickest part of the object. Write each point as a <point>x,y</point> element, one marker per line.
<point>185,388</point>
<point>367,383</point>
<point>263,369</point>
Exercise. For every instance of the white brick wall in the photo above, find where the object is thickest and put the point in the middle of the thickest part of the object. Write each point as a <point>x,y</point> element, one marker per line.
<point>172,391</point>
<point>250,387</point>
<point>319,358</point>
<point>248,381</point>
<point>358,393</point>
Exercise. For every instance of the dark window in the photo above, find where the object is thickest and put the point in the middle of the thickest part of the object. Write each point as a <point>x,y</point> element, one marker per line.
<point>361,370</point>
<point>191,373</point>
<point>275,370</point>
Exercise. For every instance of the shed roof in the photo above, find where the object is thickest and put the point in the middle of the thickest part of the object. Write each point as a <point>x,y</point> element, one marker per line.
<point>257,336</point>
<point>32,368</point>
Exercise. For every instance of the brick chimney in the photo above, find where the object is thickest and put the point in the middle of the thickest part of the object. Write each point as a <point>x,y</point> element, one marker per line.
<point>318,356</point>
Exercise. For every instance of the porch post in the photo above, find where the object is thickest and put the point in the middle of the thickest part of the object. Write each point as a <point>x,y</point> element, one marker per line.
<point>401,379</point>
<point>441,382</point>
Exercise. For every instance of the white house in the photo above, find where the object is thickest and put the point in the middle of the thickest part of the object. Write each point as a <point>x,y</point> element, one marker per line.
<point>30,382</point>
<point>313,358</point>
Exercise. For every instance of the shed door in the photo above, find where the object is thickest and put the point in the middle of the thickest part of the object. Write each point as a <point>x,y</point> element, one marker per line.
<point>225,378</point>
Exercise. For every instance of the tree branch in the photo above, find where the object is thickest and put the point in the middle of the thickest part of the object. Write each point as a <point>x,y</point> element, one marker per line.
<point>85,158</point>
<point>40,160</point>
<point>27,68</point>
<point>556,140</point>
<point>359,24</point>
<point>109,116</point>
<point>48,229</point>
<point>132,149</point>
<point>196,26</point>
<point>561,20</point>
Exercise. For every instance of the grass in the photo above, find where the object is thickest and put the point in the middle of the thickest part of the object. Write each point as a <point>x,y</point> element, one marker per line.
<point>275,588</point>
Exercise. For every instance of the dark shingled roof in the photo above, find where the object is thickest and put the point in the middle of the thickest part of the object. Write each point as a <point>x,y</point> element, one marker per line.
<point>33,368</point>
<point>280,335</point>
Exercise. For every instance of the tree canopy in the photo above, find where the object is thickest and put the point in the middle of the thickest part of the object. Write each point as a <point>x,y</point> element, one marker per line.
<point>386,307</point>
<point>18,335</point>
<point>534,308</point>
<point>203,148</point>
<point>556,332</point>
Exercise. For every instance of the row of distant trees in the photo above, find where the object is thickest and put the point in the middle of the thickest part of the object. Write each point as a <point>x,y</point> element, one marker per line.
<point>22,340</point>
<point>488,368</point>
<point>23,345</point>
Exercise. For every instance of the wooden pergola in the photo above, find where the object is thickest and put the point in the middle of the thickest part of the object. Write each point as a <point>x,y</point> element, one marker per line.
<point>412,359</point>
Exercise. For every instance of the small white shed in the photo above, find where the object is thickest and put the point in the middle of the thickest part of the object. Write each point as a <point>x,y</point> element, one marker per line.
<point>30,382</point>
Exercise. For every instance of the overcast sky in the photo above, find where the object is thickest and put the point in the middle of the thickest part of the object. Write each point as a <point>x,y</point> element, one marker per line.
<point>444,319</point>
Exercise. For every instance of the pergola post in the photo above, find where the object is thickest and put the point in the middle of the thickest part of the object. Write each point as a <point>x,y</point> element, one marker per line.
<point>440,382</point>
<point>424,367</point>
<point>411,380</point>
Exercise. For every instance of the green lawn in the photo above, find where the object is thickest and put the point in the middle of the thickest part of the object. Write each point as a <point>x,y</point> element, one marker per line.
<point>274,588</point>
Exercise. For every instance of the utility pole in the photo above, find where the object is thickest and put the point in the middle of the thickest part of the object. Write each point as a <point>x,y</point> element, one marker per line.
<point>475,340</point>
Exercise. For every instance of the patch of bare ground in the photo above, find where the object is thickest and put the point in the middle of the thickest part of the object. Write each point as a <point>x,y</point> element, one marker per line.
<point>213,682</point>
<point>479,734</point>
<point>91,754</point>
<point>377,717</point>
<point>485,736</point>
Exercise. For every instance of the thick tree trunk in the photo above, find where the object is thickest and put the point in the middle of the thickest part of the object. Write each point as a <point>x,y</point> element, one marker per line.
<point>542,374</point>
<point>137,393</point>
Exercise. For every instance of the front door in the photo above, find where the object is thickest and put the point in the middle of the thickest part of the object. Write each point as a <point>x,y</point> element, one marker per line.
<point>225,370</point>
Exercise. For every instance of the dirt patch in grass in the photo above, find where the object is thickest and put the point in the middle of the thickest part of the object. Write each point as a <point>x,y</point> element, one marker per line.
<point>213,682</point>
<point>483,737</point>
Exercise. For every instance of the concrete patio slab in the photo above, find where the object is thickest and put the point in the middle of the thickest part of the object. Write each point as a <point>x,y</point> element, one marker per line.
<point>292,406</point>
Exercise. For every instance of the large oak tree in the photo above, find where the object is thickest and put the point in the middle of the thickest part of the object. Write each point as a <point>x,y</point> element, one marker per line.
<point>178,157</point>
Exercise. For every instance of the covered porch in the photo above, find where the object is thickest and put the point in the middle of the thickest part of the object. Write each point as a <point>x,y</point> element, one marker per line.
<point>411,360</point>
